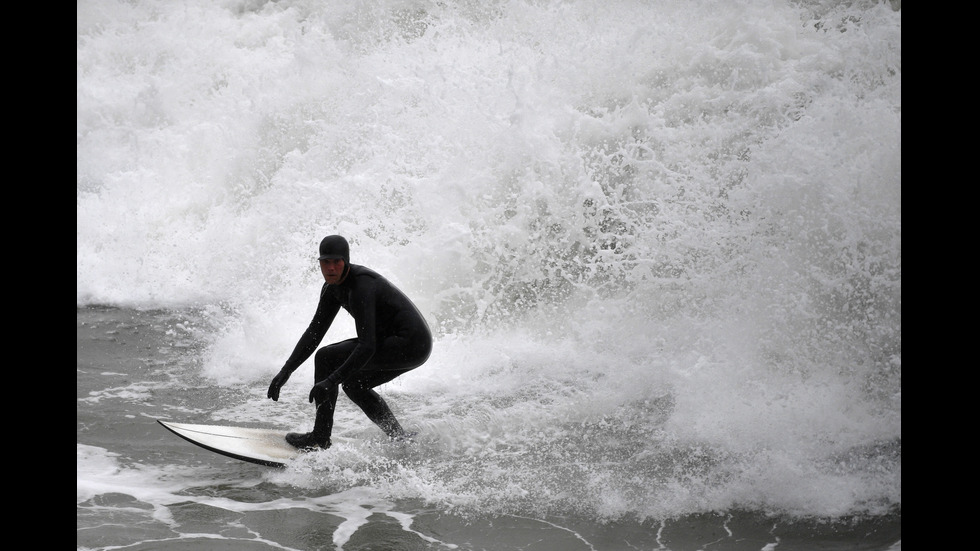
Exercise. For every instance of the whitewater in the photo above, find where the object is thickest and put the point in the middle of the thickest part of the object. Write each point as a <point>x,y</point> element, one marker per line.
<point>658,244</point>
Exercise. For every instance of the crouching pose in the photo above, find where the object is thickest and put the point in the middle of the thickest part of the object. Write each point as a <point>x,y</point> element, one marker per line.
<point>392,338</point>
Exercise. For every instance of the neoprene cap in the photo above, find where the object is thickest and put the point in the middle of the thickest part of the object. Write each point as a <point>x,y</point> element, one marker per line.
<point>335,246</point>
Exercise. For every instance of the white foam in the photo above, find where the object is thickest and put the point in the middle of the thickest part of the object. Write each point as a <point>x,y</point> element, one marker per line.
<point>635,228</point>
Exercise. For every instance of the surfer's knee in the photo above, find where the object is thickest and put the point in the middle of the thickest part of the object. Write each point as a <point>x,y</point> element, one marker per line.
<point>326,361</point>
<point>358,392</point>
<point>325,356</point>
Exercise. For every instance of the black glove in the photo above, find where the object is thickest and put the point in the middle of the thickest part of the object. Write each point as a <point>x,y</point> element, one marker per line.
<point>277,383</point>
<point>318,391</point>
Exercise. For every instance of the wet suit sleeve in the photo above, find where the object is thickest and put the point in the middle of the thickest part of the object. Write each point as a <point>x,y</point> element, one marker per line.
<point>363,308</point>
<point>326,311</point>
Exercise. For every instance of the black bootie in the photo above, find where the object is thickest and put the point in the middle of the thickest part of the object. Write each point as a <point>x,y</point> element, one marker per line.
<point>319,438</point>
<point>306,441</point>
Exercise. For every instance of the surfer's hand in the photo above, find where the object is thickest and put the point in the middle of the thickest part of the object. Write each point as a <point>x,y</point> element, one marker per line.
<point>277,383</point>
<point>317,391</point>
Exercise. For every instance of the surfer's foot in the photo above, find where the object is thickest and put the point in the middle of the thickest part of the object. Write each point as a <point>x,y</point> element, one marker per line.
<point>306,442</point>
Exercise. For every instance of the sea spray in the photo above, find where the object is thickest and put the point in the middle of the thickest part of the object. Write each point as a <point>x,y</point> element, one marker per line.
<point>660,246</point>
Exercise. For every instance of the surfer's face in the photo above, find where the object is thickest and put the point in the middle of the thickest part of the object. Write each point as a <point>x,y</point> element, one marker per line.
<point>332,270</point>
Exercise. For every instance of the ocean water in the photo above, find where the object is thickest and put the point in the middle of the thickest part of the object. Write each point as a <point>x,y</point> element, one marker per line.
<point>658,243</point>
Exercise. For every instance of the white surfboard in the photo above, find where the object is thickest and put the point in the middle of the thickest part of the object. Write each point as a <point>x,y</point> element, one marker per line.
<point>262,446</point>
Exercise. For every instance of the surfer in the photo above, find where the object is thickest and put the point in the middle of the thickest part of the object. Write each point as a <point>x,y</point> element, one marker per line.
<point>392,338</point>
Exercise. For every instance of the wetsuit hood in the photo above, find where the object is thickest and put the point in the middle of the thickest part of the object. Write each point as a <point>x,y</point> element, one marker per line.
<point>335,246</point>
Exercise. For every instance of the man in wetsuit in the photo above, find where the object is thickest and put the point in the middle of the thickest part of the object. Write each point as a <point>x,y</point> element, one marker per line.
<point>392,338</point>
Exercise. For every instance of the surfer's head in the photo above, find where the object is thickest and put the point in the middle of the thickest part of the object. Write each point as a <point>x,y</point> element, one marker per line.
<point>335,246</point>
<point>334,259</point>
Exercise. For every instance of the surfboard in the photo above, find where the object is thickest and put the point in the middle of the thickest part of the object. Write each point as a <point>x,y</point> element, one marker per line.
<point>262,446</point>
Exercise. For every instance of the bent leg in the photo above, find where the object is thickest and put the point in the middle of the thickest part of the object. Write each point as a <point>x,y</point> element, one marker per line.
<point>327,360</point>
<point>396,357</point>
<point>374,406</point>
<point>323,423</point>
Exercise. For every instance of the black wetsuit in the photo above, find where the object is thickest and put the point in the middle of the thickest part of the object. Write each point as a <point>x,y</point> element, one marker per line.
<point>392,338</point>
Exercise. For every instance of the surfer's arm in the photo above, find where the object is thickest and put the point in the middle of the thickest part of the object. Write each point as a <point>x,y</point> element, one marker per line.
<point>326,311</point>
<point>325,314</point>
